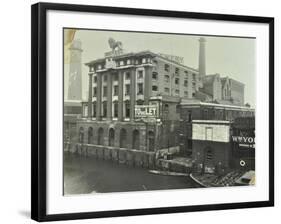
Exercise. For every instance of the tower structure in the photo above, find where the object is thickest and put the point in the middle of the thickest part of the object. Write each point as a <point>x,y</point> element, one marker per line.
<point>75,70</point>
<point>202,58</point>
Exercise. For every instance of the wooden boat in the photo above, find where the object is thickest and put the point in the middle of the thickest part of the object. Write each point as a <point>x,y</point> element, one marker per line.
<point>168,173</point>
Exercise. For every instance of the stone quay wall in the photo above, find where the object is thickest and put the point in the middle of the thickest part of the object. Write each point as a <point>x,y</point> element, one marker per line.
<point>129,157</point>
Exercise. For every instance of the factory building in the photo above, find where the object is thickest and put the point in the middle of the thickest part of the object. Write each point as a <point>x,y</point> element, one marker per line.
<point>146,101</point>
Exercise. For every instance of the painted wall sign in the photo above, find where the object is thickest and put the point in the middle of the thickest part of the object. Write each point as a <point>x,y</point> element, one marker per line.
<point>242,139</point>
<point>144,111</point>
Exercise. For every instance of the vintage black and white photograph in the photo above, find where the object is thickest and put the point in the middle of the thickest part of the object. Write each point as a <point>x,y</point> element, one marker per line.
<point>157,111</point>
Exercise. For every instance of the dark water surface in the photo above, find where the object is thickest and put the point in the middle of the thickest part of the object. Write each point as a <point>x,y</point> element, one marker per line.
<point>83,175</point>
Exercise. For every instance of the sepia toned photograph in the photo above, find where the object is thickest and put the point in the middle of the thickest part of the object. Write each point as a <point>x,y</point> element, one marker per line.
<point>157,111</point>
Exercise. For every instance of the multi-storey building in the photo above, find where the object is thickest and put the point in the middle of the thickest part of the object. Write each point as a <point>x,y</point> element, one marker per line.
<point>146,101</point>
<point>124,89</point>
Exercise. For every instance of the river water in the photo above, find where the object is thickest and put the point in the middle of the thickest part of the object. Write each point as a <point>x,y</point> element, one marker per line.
<point>84,175</point>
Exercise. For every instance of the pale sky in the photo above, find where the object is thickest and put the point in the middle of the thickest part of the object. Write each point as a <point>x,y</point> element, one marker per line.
<point>232,57</point>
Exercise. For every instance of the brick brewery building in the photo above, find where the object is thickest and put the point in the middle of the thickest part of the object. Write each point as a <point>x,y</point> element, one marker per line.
<point>147,101</point>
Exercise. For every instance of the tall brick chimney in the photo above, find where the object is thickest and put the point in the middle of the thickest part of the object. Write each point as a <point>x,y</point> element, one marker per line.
<point>202,57</point>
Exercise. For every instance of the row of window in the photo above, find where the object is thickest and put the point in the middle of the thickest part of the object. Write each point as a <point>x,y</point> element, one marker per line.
<point>115,76</point>
<point>177,71</point>
<point>139,87</point>
<point>116,90</point>
<point>115,108</point>
<point>220,114</point>
<point>177,81</point>
<point>104,109</point>
<point>122,63</point>
<point>140,76</point>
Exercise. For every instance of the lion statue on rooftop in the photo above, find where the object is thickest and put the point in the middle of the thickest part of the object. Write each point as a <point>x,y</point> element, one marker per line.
<point>115,44</point>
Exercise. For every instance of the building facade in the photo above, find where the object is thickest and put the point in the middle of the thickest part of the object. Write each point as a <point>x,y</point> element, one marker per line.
<point>243,143</point>
<point>211,145</point>
<point>147,101</point>
<point>219,146</point>
<point>124,89</point>
<point>196,110</point>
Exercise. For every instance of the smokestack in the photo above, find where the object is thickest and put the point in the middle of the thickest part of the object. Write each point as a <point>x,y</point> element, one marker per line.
<point>202,62</point>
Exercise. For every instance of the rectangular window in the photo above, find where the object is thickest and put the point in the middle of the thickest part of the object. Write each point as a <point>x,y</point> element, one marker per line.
<point>209,134</point>
<point>127,109</point>
<point>177,81</point>
<point>115,77</point>
<point>121,63</point>
<point>194,76</point>
<point>167,90</point>
<point>104,91</point>
<point>140,89</point>
<point>104,108</point>
<point>94,109</point>
<point>86,111</point>
<point>167,78</point>
<point>177,91</point>
<point>154,88</point>
<point>95,79</point>
<point>94,91</point>
<point>167,67</point>
<point>127,89</point>
<point>177,71</point>
<point>144,60</point>
<point>185,83</point>
<point>115,109</point>
<point>186,74</point>
<point>154,75</point>
<point>193,85</point>
<point>115,91</point>
<point>185,93</point>
<point>128,75</point>
<point>140,74</point>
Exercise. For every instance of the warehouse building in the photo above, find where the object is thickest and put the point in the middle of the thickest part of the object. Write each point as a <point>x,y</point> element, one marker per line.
<point>146,101</point>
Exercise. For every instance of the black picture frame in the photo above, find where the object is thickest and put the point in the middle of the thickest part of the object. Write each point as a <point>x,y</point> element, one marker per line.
<point>39,108</point>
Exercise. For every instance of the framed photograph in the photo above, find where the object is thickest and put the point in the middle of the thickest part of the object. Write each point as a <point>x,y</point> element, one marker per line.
<point>140,111</point>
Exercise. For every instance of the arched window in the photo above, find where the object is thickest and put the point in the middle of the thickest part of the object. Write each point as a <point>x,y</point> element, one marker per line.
<point>90,135</point>
<point>123,138</point>
<point>111,137</point>
<point>136,140</point>
<point>100,136</point>
<point>151,141</point>
<point>81,135</point>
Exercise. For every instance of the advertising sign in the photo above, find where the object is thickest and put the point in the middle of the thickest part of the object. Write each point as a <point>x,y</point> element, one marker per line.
<point>145,111</point>
<point>243,141</point>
